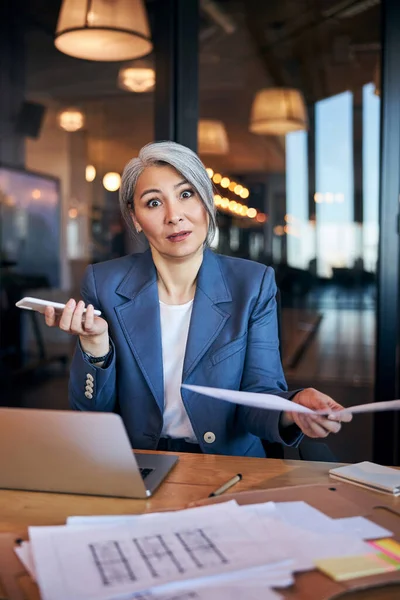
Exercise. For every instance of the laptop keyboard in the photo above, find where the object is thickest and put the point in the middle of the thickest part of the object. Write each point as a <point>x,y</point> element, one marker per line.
<point>144,472</point>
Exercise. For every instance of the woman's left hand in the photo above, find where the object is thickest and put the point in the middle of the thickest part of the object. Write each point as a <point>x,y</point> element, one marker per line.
<point>315,426</point>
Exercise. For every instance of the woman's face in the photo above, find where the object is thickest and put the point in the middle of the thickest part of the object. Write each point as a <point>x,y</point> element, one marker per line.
<point>169,212</point>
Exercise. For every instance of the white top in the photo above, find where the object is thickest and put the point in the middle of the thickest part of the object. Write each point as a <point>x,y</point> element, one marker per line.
<point>175,321</point>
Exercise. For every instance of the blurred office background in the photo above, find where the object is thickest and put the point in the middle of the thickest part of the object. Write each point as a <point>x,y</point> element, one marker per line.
<point>293,106</point>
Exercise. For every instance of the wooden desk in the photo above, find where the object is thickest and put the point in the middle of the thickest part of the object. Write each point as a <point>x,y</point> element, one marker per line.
<point>193,478</point>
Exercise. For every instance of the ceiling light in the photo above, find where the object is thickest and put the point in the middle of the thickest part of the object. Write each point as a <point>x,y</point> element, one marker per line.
<point>112,181</point>
<point>71,119</point>
<point>90,173</point>
<point>137,79</point>
<point>217,178</point>
<point>225,181</point>
<point>212,137</point>
<point>103,30</point>
<point>278,111</point>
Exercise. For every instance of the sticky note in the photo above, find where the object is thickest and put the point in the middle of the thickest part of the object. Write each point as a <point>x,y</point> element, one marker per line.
<point>351,567</point>
<point>389,547</point>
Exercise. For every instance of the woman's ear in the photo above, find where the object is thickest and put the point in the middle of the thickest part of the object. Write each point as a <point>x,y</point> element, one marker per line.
<point>136,224</point>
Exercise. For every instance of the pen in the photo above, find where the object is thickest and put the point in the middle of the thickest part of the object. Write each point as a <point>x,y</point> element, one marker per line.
<point>226,485</point>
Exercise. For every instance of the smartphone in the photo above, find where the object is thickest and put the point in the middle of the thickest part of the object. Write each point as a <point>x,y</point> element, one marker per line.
<point>40,305</point>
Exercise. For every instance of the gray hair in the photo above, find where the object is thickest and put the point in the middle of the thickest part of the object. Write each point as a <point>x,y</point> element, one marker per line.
<point>185,161</point>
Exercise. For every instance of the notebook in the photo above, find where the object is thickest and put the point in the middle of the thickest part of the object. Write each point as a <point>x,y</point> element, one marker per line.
<point>370,475</point>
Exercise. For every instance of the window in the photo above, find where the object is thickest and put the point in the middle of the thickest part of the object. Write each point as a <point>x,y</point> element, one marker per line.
<point>299,232</point>
<point>371,133</point>
<point>336,231</point>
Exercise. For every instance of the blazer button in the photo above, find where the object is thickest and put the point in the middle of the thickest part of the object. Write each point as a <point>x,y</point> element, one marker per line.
<point>88,395</point>
<point>209,437</point>
<point>89,388</point>
<point>89,376</point>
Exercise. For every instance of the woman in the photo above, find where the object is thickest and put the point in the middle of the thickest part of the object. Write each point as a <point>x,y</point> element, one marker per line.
<point>179,313</point>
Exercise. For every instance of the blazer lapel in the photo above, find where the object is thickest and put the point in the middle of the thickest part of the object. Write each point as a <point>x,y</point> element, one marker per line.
<point>140,321</point>
<point>207,317</point>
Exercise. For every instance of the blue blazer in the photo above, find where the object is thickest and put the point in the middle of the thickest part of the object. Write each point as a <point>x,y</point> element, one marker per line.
<point>232,343</point>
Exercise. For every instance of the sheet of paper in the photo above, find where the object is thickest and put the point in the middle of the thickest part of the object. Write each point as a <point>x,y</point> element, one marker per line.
<point>264,577</point>
<point>307,546</point>
<point>305,516</point>
<point>108,561</point>
<point>96,520</point>
<point>249,399</point>
<point>277,577</point>
<point>271,402</point>
<point>210,593</point>
<point>363,528</point>
<point>299,514</point>
<point>24,553</point>
<point>370,407</point>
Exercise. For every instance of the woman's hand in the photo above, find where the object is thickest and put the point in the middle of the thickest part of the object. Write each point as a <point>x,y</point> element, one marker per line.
<point>92,330</point>
<point>315,426</point>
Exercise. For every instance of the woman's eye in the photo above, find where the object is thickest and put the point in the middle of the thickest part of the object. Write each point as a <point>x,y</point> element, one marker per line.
<point>187,194</point>
<point>153,203</point>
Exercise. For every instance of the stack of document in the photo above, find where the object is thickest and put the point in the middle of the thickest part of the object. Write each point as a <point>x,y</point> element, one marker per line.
<point>218,551</point>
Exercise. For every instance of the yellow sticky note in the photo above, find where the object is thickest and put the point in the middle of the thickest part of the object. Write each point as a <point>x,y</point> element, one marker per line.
<point>387,546</point>
<point>351,567</point>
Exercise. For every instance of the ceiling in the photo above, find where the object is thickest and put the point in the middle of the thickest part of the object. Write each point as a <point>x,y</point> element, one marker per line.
<point>308,44</point>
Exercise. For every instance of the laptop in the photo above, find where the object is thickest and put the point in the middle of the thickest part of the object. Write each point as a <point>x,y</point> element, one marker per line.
<point>75,452</point>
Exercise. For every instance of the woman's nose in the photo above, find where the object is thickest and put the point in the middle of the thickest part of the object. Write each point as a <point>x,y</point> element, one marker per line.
<point>173,214</point>
<point>175,219</point>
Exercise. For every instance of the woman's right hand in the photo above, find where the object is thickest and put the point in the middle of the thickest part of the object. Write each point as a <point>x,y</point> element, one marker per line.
<point>92,330</point>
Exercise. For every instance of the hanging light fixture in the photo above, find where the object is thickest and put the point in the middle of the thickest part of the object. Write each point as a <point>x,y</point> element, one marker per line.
<point>212,136</point>
<point>112,181</point>
<point>90,173</point>
<point>278,111</point>
<point>103,30</point>
<point>71,119</point>
<point>136,79</point>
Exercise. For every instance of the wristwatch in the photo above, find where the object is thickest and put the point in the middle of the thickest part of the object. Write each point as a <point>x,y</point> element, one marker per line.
<point>97,359</point>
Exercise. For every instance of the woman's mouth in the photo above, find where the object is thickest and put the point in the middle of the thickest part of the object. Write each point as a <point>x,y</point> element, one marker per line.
<point>179,237</point>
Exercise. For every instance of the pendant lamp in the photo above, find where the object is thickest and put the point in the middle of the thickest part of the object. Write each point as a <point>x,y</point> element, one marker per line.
<point>103,30</point>
<point>212,137</point>
<point>136,79</point>
<point>71,119</point>
<point>277,111</point>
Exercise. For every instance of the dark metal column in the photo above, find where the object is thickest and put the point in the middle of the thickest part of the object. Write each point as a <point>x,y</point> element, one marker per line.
<point>387,425</point>
<point>358,157</point>
<point>176,33</point>
<point>312,185</point>
<point>12,83</point>
<point>311,163</point>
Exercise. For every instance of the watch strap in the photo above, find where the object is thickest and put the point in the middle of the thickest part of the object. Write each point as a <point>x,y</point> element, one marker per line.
<point>97,359</point>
